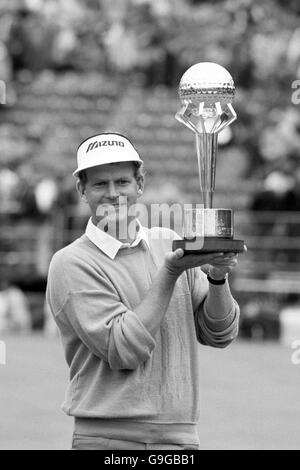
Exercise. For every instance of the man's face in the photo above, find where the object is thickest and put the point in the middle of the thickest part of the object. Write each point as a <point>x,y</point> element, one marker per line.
<point>110,191</point>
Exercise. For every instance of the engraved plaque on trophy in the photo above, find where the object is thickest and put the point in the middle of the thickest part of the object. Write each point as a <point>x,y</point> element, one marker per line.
<point>206,92</point>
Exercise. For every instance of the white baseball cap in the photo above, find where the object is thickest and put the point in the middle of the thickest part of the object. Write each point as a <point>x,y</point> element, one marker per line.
<point>103,149</point>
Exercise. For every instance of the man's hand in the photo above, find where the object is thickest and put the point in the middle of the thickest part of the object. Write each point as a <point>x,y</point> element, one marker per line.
<point>221,264</point>
<point>220,268</point>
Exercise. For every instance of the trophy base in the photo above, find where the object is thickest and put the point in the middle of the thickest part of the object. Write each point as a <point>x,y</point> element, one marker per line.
<point>209,245</point>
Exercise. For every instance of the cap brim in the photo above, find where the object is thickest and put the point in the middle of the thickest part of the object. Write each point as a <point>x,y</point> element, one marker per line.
<point>87,167</point>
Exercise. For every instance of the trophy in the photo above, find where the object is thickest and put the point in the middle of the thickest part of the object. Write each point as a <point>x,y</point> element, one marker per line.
<point>206,92</point>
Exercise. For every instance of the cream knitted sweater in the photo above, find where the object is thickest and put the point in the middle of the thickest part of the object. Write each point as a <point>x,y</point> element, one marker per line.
<point>118,371</point>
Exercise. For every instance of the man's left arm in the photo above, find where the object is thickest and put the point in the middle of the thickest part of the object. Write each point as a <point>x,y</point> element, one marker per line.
<point>217,315</point>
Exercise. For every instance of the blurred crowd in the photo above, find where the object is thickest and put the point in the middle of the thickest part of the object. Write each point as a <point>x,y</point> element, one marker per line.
<point>31,196</point>
<point>156,40</point>
<point>120,36</point>
<point>67,46</point>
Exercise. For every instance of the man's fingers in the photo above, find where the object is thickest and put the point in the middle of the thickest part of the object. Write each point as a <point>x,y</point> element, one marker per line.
<point>175,255</point>
<point>205,256</point>
<point>225,262</point>
<point>230,255</point>
<point>179,253</point>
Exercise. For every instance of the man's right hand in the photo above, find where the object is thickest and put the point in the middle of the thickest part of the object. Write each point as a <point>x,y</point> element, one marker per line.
<point>176,262</point>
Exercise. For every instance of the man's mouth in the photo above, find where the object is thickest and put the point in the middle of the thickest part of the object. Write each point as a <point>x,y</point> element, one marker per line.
<point>119,205</point>
<point>114,204</point>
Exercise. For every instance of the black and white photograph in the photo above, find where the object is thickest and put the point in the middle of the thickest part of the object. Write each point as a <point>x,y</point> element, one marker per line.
<point>149,227</point>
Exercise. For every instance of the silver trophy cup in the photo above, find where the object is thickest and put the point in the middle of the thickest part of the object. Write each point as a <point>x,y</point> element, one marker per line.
<point>206,92</point>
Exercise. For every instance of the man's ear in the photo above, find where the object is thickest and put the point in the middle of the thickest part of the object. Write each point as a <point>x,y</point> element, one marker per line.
<point>140,187</point>
<point>81,191</point>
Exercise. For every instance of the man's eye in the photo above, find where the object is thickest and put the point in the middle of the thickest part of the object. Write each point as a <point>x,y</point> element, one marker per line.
<point>123,182</point>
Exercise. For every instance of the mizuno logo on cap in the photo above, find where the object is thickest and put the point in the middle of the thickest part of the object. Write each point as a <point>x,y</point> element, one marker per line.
<point>104,143</point>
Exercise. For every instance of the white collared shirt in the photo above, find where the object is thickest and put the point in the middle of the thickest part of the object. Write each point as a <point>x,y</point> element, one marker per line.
<point>110,245</point>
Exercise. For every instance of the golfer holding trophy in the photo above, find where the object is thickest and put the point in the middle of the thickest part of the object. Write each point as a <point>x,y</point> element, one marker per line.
<point>131,311</point>
<point>206,91</point>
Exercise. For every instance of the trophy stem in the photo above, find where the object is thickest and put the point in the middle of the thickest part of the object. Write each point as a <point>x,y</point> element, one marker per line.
<point>206,146</point>
<point>207,199</point>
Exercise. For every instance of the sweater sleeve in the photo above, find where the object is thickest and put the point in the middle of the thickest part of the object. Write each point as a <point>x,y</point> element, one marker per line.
<point>211,332</point>
<point>110,330</point>
<point>214,332</point>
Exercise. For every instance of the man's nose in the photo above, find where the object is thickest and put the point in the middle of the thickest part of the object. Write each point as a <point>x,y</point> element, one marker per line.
<point>111,191</point>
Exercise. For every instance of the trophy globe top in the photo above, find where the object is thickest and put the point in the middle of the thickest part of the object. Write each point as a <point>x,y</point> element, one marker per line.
<point>207,83</point>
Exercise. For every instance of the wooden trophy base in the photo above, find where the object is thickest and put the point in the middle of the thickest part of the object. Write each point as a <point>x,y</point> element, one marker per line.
<point>209,245</point>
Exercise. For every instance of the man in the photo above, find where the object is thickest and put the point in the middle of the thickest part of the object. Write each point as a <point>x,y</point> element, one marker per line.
<point>131,313</point>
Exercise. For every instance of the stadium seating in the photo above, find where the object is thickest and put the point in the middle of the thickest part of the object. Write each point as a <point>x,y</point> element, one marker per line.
<point>54,113</point>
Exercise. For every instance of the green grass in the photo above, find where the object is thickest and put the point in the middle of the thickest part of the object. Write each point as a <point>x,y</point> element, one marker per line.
<point>249,396</point>
<point>32,387</point>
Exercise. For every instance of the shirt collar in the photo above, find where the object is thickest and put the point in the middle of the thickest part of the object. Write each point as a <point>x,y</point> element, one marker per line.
<point>110,245</point>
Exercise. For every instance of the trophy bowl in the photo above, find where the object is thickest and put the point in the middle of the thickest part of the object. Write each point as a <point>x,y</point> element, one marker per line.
<point>207,82</point>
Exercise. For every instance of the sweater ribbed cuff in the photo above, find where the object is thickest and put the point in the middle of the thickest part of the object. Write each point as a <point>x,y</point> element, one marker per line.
<point>219,324</point>
<point>210,331</point>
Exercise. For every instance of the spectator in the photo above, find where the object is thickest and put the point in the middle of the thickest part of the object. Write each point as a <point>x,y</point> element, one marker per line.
<point>9,183</point>
<point>5,64</point>
<point>30,41</point>
<point>26,195</point>
<point>272,197</point>
<point>46,194</point>
<point>293,53</point>
<point>293,195</point>
<point>122,47</point>
<point>14,309</point>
